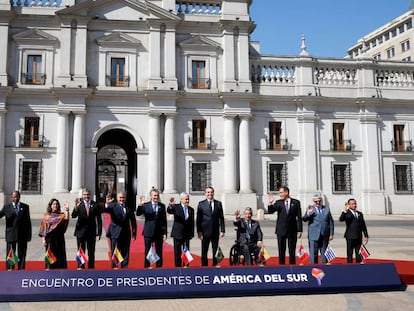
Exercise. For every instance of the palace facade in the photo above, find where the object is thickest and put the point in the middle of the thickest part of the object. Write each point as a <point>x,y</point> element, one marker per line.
<point>131,94</point>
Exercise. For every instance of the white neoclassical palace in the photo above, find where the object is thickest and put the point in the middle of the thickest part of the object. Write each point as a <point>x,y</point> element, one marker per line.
<point>133,94</point>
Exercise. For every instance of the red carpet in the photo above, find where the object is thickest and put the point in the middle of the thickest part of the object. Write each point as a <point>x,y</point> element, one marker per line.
<point>404,268</point>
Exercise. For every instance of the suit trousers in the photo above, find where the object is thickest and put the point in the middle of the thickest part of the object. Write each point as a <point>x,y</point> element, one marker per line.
<point>88,243</point>
<point>315,246</point>
<point>205,243</point>
<point>178,249</point>
<point>123,242</point>
<point>353,245</point>
<point>291,243</point>
<point>21,254</point>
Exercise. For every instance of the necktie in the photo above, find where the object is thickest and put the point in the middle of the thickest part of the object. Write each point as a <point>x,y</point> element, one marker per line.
<point>185,212</point>
<point>16,209</point>
<point>123,210</point>
<point>212,206</point>
<point>154,208</point>
<point>87,206</point>
<point>247,230</point>
<point>287,206</point>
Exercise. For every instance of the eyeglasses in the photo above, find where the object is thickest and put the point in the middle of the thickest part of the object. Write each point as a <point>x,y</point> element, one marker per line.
<point>317,201</point>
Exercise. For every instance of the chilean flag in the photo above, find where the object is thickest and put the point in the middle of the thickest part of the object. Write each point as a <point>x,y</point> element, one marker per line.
<point>186,256</point>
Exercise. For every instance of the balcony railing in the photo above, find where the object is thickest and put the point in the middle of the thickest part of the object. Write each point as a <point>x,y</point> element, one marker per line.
<point>33,78</point>
<point>205,7</point>
<point>36,3</point>
<point>282,145</point>
<point>199,83</point>
<point>206,144</point>
<point>119,81</point>
<point>31,141</point>
<point>270,70</point>
<point>402,146</point>
<point>341,145</point>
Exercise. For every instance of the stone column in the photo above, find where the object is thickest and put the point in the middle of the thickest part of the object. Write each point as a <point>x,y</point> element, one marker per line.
<point>2,147</point>
<point>78,156</point>
<point>229,155</point>
<point>61,173</point>
<point>170,155</point>
<point>228,57</point>
<point>4,32</point>
<point>245,154</point>
<point>154,149</point>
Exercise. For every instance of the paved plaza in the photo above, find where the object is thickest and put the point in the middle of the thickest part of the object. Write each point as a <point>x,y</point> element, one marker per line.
<point>391,237</point>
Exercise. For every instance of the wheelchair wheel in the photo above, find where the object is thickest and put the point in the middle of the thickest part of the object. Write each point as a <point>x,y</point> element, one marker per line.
<point>234,258</point>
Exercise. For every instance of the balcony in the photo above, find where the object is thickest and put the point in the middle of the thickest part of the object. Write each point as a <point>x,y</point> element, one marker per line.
<point>341,145</point>
<point>31,141</point>
<point>201,144</point>
<point>282,145</point>
<point>33,78</point>
<point>199,83</point>
<point>402,146</point>
<point>204,8</point>
<point>117,81</point>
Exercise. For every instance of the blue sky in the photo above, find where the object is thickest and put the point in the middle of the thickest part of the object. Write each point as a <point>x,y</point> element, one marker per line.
<point>330,26</point>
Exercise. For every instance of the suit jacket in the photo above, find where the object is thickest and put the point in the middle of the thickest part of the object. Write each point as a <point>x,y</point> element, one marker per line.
<point>255,232</point>
<point>354,226</point>
<point>120,223</point>
<point>182,229</point>
<point>88,225</point>
<point>319,223</point>
<point>208,223</point>
<point>287,224</point>
<point>155,225</point>
<point>18,227</point>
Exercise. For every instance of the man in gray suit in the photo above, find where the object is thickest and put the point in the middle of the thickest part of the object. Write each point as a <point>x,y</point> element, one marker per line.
<point>320,228</point>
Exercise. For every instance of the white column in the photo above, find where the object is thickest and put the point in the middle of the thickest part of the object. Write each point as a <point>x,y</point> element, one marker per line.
<point>169,53</point>
<point>4,31</point>
<point>169,155</point>
<point>80,51</point>
<point>155,52</point>
<point>154,151</point>
<point>244,154</point>
<point>2,148</point>
<point>78,156</point>
<point>65,51</point>
<point>61,184</point>
<point>229,155</point>
<point>228,52</point>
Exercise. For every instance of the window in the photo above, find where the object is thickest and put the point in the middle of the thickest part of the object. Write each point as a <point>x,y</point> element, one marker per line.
<point>405,45</point>
<point>200,176</point>
<point>407,59</point>
<point>402,178</point>
<point>391,52</point>
<point>394,32</point>
<point>275,133</point>
<point>380,40</point>
<point>377,56</point>
<point>33,74</point>
<point>277,176</point>
<point>338,142</point>
<point>401,29</point>
<point>387,36</point>
<point>31,132</point>
<point>199,80</point>
<point>199,134</point>
<point>30,178</point>
<point>398,141</point>
<point>409,25</point>
<point>118,77</point>
<point>341,178</point>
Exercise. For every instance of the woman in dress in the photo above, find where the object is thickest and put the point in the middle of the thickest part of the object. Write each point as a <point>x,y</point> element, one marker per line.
<point>52,230</point>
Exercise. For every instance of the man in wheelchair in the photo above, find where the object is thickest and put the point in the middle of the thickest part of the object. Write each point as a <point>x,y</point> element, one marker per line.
<point>249,239</point>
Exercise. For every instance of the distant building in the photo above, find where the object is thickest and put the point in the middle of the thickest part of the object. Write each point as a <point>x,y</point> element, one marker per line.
<point>393,41</point>
<point>128,95</point>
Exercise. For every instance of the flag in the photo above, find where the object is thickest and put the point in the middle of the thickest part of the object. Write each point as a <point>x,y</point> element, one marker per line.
<point>219,255</point>
<point>50,258</point>
<point>117,257</point>
<point>263,254</point>
<point>186,256</point>
<point>12,259</point>
<point>329,254</point>
<point>81,257</point>
<point>363,251</point>
<point>152,256</point>
<point>302,254</point>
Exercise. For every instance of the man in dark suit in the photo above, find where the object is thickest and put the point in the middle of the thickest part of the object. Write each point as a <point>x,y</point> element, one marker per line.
<point>155,226</point>
<point>355,227</point>
<point>88,228</point>
<point>119,230</point>
<point>18,228</point>
<point>288,223</point>
<point>320,228</point>
<point>183,226</point>
<point>210,225</point>
<point>250,235</point>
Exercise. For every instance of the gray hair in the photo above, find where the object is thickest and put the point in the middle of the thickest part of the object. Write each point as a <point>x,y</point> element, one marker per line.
<point>183,195</point>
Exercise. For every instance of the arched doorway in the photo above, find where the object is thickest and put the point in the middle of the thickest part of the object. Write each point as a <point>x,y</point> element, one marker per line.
<point>116,165</point>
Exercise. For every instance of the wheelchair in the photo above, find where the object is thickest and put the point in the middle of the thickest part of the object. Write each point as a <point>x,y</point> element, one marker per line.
<point>236,256</point>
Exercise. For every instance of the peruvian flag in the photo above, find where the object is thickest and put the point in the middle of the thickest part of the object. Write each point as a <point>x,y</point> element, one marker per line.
<point>302,254</point>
